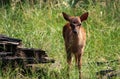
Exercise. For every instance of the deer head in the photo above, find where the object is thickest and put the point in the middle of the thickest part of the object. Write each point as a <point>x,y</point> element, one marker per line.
<point>75,21</point>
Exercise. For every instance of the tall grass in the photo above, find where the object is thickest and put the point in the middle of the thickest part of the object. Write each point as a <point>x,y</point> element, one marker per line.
<point>41,27</point>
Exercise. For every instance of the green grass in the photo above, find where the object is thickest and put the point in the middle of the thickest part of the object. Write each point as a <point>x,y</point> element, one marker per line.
<point>42,28</point>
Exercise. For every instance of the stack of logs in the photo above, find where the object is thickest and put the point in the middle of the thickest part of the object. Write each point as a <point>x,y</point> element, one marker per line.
<point>13,54</point>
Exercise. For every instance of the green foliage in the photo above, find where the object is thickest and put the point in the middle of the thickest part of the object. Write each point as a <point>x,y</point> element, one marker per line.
<point>41,27</point>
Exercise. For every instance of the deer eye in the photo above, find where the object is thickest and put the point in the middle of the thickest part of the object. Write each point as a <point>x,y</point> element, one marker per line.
<point>79,24</point>
<point>74,22</point>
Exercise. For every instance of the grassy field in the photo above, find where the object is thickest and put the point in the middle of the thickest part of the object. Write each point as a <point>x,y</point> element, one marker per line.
<point>42,28</point>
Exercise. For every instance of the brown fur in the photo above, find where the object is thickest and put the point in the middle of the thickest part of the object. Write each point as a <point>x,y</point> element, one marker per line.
<point>75,38</point>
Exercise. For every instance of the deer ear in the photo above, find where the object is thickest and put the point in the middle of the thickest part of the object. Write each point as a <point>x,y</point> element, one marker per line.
<point>84,16</point>
<point>66,16</point>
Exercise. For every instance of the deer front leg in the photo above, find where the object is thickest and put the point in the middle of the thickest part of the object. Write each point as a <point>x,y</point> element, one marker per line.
<point>79,64</point>
<point>76,60</point>
<point>80,53</point>
<point>69,59</point>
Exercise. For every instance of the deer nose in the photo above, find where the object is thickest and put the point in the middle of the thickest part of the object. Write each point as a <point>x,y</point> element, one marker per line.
<point>75,32</point>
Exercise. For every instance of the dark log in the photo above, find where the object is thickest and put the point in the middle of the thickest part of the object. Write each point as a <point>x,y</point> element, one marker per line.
<point>112,61</point>
<point>31,52</point>
<point>3,54</point>
<point>8,47</point>
<point>107,74</point>
<point>22,61</point>
<point>9,39</point>
<point>12,54</point>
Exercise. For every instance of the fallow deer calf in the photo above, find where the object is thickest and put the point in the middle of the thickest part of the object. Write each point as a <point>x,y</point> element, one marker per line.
<point>75,38</point>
